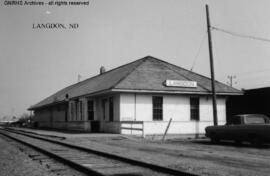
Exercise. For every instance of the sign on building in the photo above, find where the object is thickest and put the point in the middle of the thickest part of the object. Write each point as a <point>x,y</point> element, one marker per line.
<point>180,83</point>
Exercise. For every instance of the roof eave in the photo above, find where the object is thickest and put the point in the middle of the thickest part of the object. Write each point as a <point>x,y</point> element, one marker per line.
<point>63,101</point>
<point>174,92</point>
<point>47,105</point>
<point>136,91</point>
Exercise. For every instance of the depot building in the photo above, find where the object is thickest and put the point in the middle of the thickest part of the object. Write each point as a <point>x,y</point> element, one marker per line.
<point>141,98</point>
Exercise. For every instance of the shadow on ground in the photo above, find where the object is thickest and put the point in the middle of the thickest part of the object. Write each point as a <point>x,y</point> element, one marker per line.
<point>127,174</point>
<point>232,144</point>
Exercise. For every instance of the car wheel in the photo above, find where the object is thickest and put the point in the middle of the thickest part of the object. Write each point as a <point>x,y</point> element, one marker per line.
<point>214,139</point>
<point>255,141</point>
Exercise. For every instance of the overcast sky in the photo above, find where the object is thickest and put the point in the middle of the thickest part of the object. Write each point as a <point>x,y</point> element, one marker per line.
<point>35,63</point>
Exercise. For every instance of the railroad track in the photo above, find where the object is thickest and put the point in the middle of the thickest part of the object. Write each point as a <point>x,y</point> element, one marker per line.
<point>89,161</point>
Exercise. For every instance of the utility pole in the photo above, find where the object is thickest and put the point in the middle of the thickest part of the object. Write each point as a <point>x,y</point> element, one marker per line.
<point>231,82</point>
<point>214,101</point>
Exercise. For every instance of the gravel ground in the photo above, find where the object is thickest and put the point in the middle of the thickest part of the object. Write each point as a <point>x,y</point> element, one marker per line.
<point>18,160</point>
<point>198,157</point>
<point>195,156</point>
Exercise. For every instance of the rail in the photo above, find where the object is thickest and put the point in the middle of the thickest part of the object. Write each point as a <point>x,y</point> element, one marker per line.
<point>142,164</point>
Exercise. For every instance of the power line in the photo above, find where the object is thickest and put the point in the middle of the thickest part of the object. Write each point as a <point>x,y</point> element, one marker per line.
<point>241,35</point>
<point>218,58</point>
<point>254,78</point>
<point>198,52</point>
<point>260,84</point>
<point>253,71</point>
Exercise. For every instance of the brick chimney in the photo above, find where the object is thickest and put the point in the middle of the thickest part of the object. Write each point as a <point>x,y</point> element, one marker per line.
<point>102,70</point>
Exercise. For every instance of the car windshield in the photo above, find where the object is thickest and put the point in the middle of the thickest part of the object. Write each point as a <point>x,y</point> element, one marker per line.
<point>255,120</point>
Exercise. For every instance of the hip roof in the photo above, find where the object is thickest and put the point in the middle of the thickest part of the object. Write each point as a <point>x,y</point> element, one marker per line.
<point>147,74</point>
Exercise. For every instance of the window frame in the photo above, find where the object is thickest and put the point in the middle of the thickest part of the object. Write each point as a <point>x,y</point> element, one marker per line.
<point>72,110</point>
<point>157,108</point>
<point>111,109</point>
<point>90,111</point>
<point>103,106</point>
<point>194,108</point>
<point>80,110</point>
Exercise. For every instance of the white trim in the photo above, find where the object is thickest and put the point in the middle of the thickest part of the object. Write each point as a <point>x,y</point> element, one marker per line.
<point>170,92</point>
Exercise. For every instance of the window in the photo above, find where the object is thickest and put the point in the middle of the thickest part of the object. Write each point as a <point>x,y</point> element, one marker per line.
<point>157,108</point>
<point>66,111</point>
<point>58,108</point>
<point>195,108</point>
<point>72,110</point>
<point>81,110</point>
<point>104,108</point>
<point>77,109</point>
<point>111,109</point>
<point>90,109</point>
<point>255,119</point>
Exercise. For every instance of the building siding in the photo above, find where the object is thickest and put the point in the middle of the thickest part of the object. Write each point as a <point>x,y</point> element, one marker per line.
<point>136,107</point>
<point>176,107</point>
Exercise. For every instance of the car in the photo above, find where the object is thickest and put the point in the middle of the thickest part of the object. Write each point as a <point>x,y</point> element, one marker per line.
<point>253,128</point>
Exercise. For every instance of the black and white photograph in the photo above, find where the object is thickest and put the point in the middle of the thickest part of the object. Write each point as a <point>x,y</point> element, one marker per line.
<point>134,88</point>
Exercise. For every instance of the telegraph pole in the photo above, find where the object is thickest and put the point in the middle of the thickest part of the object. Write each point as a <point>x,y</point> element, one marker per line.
<point>214,99</point>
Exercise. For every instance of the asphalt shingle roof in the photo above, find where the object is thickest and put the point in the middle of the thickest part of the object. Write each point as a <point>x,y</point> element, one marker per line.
<point>146,74</point>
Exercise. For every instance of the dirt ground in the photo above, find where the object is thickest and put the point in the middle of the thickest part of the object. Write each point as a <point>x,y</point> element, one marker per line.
<point>196,156</point>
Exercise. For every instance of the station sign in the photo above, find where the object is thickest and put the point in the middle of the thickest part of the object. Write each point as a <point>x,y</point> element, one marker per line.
<point>180,83</point>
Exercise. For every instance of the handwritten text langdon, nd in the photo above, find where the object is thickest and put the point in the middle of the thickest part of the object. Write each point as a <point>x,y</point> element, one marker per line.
<point>48,3</point>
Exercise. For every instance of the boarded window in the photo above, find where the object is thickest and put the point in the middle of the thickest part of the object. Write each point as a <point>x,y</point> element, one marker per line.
<point>90,109</point>
<point>157,108</point>
<point>195,108</point>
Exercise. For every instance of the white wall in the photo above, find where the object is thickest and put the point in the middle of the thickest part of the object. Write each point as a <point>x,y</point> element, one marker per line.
<point>127,107</point>
<point>139,111</point>
<point>143,107</point>
<point>176,107</point>
<point>176,127</point>
<point>206,109</point>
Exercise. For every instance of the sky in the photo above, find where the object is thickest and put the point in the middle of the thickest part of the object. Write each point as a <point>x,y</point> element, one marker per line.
<point>35,63</point>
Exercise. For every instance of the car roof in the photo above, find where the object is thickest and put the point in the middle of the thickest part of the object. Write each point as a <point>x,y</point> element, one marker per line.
<point>245,115</point>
